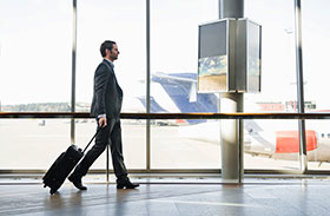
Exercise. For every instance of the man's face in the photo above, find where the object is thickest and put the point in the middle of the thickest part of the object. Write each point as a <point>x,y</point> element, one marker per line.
<point>113,54</point>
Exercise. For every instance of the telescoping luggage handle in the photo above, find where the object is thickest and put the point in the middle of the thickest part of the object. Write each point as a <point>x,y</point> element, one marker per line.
<point>97,132</point>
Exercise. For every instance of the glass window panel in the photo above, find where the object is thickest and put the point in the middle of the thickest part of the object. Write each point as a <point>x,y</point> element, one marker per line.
<point>35,55</point>
<point>183,145</point>
<point>318,146</point>
<point>32,143</point>
<point>271,144</point>
<point>174,64</point>
<point>278,84</point>
<point>316,44</point>
<point>133,140</point>
<point>123,22</point>
<point>264,138</point>
<point>35,69</point>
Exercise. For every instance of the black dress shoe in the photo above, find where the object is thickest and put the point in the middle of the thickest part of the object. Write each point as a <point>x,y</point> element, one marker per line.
<point>77,183</point>
<point>126,183</point>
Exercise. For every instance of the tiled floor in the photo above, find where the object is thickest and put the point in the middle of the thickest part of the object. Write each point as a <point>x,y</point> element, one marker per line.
<point>254,197</point>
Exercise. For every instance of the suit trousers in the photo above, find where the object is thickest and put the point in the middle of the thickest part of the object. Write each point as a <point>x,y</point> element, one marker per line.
<point>110,135</point>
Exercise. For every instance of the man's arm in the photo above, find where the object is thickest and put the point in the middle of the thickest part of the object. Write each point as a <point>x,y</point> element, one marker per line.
<point>101,80</point>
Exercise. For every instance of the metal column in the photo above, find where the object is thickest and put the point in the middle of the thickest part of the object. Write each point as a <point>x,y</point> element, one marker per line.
<point>73,82</point>
<point>148,148</point>
<point>232,138</point>
<point>231,9</point>
<point>231,130</point>
<point>300,87</point>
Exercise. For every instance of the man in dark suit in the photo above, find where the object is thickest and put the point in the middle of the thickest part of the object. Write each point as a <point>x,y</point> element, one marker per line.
<point>106,106</point>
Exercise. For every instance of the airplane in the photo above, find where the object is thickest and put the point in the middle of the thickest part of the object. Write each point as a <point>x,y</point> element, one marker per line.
<point>177,92</point>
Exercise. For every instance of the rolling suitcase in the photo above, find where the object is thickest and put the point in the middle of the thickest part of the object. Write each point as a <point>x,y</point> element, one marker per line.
<point>63,166</point>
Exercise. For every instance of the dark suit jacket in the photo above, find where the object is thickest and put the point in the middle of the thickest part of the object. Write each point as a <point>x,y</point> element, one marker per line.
<point>107,96</point>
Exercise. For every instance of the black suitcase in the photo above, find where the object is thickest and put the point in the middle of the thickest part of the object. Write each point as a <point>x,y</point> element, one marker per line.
<point>63,166</point>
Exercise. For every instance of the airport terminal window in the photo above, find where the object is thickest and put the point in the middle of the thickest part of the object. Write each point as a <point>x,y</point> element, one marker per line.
<point>32,144</point>
<point>35,44</point>
<point>133,138</point>
<point>35,67</point>
<point>179,144</point>
<point>316,46</point>
<point>269,146</point>
<point>124,23</point>
<point>35,56</point>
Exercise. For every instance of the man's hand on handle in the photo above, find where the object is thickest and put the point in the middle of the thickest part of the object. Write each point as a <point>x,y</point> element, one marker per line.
<point>103,122</point>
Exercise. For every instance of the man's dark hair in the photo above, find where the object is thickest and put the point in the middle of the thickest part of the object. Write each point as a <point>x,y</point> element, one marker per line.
<point>108,44</point>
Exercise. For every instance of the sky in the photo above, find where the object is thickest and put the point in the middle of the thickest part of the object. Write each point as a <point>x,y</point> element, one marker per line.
<point>36,46</point>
